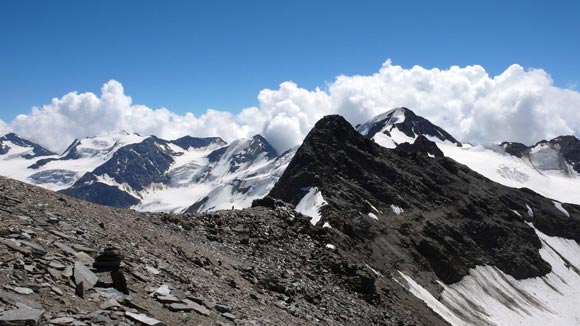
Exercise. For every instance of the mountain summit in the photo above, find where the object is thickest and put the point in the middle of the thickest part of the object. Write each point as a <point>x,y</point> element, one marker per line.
<point>402,125</point>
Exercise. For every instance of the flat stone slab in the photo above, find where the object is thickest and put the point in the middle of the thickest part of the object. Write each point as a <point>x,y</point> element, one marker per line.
<point>144,319</point>
<point>36,248</point>
<point>84,278</point>
<point>168,299</point>
<point>22,316</point>
<point>23,290</point>
<point>14,299</point>
<point>80,247</point>
<point>229,316</point>
<point>15,245</point>
<point>84,258</point>
<point>62,321</point>
<point>65,248</point>
<point>197,307</point>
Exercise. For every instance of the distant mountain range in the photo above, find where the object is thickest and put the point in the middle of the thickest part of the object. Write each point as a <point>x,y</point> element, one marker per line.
<point>204,174</point>
<point>149,173</point>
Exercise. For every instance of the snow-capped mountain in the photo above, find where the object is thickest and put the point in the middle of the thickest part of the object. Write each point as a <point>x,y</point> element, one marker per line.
<point>149,173</point>
<point>402,125</point>
<point>550,168</point>
<point>475,251</point>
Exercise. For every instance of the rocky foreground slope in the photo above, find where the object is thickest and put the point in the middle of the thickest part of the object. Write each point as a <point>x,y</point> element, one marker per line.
<point>258,266</point>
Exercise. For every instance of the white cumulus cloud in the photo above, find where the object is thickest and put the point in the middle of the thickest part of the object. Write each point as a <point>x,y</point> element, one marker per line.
<point>518,105</point>
<point>3,127</point>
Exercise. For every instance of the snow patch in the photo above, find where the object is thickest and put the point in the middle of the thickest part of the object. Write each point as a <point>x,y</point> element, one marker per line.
<point>516,212</point>
<point>397,210</point>
<point>311,203</point>
<point>373,207</point>
<point>373,270</point>
<point>540,174</point>
<point>326,225</point>
<point>373,216</point>
<point>561,209</point>
<point>330,246</point>
<point>530,211</point>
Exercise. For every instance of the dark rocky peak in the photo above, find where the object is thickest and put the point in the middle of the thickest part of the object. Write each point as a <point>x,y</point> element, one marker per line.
<point>407,122</point>
<point>421,146</point>
<point>139,164</point>
<point>71,151</point>
<point>16,140</point>
<point>258,145</point>
<point>132,167</point>
<point>188,142</point>
<point>389,208</point>
<point>516,149</point>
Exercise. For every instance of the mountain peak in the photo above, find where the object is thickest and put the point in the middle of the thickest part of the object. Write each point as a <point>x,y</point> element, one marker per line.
<point>366,191</point>
<point>16,140</point>
<point>402,125</point>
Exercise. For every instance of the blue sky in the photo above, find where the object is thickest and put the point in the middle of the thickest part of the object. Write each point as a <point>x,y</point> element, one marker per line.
<point>192,55</point>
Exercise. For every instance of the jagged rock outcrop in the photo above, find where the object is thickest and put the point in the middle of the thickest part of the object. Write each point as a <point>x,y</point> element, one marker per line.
<point>407,211</point>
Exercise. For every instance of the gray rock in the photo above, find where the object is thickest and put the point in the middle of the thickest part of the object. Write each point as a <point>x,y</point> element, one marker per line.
<point>57,265</point>
<point>144,319</point>
<point>168,299</point>
<point>111,293</point>
<point>36,249</point>
<point>222,308</point>
<point>84,258</point>
<point>84,279</point>
<point>197,307</point>
<point>22,316</point>
<point>111,303</point>
<point>66,248</point>
<point>79,247</point>
<point>229,316</point>
<point>178,293</point>
<point>163,290</point>
<point>68,272</point>
<point>23,290</point>
<point>56,290</point>
<point>17,299</point>
<point>62,321</point>
<point>15,245</point>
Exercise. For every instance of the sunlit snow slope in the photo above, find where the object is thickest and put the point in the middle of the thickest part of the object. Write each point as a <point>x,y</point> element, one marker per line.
<point>487,296</point>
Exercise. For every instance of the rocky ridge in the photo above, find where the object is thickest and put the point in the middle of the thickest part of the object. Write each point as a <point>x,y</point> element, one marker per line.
<point>402,210</point>
<point>265,265</point>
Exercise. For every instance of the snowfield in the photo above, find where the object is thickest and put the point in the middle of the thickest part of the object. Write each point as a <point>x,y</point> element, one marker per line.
<point>517,172</point>
<point>487,296</point>
<point>311,203</point>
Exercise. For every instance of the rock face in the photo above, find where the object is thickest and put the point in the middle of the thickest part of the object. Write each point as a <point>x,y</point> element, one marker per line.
<point>433,212</point>
<point>421,146</point>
